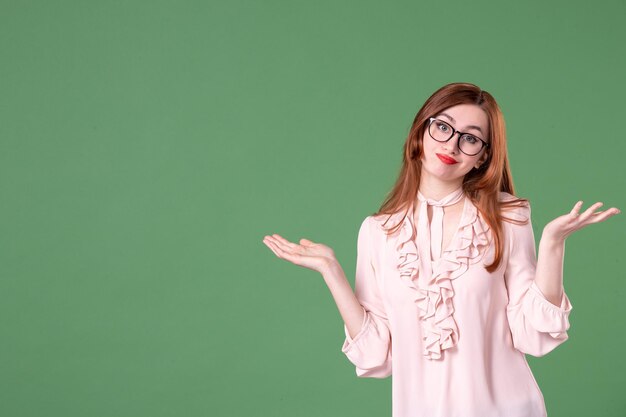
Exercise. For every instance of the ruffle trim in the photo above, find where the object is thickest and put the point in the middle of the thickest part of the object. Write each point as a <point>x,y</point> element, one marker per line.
<point>435,298</point>
<point>545,316</point>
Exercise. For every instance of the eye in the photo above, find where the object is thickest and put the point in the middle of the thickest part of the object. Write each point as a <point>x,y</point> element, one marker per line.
<point>470,139</point>
<point>443,127</point>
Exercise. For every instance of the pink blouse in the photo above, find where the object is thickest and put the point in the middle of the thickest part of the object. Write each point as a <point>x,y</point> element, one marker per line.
<point>493,318</point>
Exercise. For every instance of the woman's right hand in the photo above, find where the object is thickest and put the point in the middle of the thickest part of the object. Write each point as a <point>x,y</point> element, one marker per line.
<point>315,256</point>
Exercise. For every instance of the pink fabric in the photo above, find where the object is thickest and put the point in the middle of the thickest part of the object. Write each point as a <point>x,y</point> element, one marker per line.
<point>440,330</point>
<point>453,339</point>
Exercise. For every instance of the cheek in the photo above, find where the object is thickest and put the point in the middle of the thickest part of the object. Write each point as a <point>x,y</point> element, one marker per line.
<point>471,163</point>
<point>428,146</point>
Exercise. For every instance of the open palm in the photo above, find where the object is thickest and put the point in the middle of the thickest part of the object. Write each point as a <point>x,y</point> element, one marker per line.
<point>561,227</point>
<point>315,256</point>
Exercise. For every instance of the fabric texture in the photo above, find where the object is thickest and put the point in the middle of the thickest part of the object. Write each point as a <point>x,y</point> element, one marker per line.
<point>453,338</point>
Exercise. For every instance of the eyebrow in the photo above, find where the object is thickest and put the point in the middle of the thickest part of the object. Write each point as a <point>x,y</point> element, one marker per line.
<point>468,127</point>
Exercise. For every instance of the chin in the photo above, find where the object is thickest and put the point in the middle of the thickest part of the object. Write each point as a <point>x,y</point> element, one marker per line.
<point>443,173</point>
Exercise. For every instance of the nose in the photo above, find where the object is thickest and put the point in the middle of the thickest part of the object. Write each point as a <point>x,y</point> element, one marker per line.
<point>453,143</point>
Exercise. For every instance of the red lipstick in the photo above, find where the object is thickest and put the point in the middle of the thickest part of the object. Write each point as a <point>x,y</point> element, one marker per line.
<point>446,159</point>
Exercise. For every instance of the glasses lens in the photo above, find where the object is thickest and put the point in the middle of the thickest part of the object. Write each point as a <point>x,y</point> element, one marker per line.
<point>440,131</point>
<point>470,144</point>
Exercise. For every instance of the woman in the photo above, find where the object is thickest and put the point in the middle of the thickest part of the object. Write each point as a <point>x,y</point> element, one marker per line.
<point>449,292</point>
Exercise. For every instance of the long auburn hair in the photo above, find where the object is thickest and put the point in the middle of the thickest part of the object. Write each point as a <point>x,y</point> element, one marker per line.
<point>482,185</point>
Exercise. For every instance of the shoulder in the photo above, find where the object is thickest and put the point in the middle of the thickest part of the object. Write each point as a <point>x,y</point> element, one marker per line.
<point>376,227</point>
<point>371,223</point>
<point>512,207</point>
<point>504,196</point>
<point>365,230</point>
<point>366,236</point>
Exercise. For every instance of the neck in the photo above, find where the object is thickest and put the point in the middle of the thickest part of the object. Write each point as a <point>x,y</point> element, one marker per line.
<point>436,189</point>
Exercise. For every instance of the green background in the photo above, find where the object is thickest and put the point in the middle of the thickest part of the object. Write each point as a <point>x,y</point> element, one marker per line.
<point>147,147</point>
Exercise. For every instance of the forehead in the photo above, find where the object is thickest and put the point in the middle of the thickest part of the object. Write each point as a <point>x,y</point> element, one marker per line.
<point>466,117</point>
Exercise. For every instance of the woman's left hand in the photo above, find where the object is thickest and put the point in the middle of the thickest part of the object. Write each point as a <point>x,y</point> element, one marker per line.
<point>561,227</point>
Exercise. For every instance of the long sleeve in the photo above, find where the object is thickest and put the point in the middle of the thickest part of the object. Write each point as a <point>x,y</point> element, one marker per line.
<point>537,325</point>
<point>370,349</point>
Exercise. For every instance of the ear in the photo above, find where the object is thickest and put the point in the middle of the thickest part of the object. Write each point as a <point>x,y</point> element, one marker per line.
<point>480,161</point>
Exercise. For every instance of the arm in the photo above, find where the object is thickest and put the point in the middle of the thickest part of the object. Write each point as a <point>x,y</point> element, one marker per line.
<point>549,275</point>
<point>348,305</point>
<point>538,325</point>
<point>552,246</point>
<point>368,339</point>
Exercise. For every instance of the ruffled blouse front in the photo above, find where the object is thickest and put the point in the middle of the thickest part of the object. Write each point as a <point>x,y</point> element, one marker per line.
<point>454,343</point>
<point>434,296</point>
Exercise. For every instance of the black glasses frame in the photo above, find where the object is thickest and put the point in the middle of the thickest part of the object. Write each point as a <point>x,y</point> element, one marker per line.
<point>454,132</point>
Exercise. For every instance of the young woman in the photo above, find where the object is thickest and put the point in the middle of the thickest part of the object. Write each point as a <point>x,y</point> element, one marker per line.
<point>449,291</point>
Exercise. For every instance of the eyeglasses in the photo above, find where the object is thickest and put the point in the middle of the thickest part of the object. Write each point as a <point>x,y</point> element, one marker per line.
<point>442,132</point>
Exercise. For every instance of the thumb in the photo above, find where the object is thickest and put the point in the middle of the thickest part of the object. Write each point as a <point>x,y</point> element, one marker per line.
<point>306,242</point>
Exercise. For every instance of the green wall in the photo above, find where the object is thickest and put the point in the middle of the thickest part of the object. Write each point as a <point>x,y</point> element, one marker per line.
<point>147,147</point>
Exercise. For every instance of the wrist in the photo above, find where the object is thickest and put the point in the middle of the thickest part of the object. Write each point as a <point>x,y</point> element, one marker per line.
<point>331,269</point>
<point>552,240</point>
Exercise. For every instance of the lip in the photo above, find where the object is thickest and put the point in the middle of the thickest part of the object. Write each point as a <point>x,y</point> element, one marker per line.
<point>447,159</point>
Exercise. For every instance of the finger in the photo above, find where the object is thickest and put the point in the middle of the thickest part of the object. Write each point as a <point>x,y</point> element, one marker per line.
<point>272,247</point>
<point>281,253</point>
<point>603,215</point>
<point>281,244</point>
<point>576,208</point>
<point>587,213</point>
<point>284,242</point>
